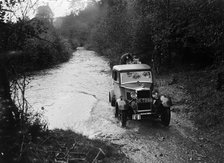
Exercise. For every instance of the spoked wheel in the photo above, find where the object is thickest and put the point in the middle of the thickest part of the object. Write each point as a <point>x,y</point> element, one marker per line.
<point>165,116</point>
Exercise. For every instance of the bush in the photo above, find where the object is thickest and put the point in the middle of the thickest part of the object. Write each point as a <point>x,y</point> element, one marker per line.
<point>39,53</point>
<point>17,132</point>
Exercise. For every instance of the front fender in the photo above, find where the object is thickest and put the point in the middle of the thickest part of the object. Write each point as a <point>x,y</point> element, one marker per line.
<point>165,101</point>
<point>111,95</point>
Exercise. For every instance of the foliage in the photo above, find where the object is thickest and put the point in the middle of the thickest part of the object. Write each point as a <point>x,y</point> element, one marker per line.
<point>36,43</point>
<point>5,9</point>
<point>110,36</point>
<point>44,12</point>
<point>170,32</point>
<point>76,27</point>
<point>46,49</point>
<point>19,124</point>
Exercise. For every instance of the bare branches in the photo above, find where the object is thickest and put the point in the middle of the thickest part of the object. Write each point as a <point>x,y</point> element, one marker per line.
<point>17,9</point>
<point>25,8</point>
<point>26,116</point>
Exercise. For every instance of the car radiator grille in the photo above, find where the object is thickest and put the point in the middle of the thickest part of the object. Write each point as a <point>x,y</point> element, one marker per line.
<point>143,106</point>
<point>144,94</point>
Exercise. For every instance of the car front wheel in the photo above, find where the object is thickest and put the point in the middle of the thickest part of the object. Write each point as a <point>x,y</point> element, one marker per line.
<point>165,116</point>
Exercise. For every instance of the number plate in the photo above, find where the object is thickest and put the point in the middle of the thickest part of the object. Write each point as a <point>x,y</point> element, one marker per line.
<point>136,117</point>
<point>144,100</point>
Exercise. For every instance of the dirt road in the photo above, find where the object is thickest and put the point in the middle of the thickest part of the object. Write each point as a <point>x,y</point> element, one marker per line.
<point>75,96</point>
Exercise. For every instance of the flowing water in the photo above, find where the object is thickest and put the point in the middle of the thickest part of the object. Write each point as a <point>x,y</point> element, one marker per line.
<point>69,93</point>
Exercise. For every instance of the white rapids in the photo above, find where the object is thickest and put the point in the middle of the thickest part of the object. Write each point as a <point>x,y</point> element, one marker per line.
<point>68,93</point>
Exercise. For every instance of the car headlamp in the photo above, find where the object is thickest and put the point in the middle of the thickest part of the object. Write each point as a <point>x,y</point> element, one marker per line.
<point>155,94</point>
<point>133,95</point>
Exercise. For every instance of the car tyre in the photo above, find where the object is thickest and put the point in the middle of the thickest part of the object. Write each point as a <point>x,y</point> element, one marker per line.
<point>165,116</point>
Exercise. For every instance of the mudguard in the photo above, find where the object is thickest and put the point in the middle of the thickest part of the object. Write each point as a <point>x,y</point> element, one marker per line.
<point>112,98</point>
<point>166,101</point>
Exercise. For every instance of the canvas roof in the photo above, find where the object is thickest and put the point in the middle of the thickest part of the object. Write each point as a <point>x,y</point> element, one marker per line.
<point>131,67</point>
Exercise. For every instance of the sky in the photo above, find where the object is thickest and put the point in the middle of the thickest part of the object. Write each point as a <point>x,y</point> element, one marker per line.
<point>63,7</point>
<point>58,7</point>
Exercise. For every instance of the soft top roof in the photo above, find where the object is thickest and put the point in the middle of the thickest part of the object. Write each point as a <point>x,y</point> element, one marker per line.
<point>131,67</point>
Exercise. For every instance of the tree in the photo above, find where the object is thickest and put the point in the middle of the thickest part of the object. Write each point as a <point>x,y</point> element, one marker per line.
<point>45,13</point>
<point>171,32</point>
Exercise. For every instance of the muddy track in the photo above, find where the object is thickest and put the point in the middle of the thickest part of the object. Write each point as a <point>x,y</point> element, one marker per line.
<point>149,141</point>
<point>79,100</point>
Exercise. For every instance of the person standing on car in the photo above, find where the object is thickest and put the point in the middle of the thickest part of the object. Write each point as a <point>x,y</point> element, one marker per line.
<point>126,58</point>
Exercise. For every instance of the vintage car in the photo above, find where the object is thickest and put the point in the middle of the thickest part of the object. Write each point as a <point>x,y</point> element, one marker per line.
<point>133,96</point>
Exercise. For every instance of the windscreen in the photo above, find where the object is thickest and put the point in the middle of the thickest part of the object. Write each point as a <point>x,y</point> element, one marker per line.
<point>136,76</point>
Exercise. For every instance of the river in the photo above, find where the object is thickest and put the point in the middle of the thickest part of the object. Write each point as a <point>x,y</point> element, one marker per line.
<point>69,93</point>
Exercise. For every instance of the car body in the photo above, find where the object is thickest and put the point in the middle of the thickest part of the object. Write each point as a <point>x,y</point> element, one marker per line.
<point>133,96</point>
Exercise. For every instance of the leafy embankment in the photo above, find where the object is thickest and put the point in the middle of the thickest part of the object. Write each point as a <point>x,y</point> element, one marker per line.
<point>196,97</point>
<point>64,145</point>
<point>33,45</point>
<point>198,90</point>
<point>207,101</point>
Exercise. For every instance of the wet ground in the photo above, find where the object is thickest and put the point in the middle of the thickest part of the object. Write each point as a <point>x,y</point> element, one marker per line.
<point>75,96</point>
